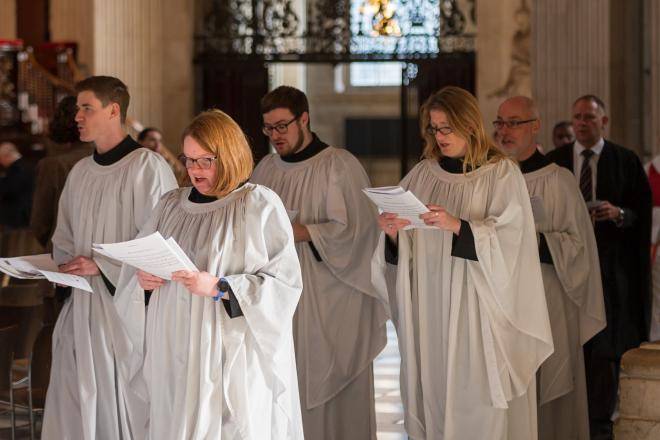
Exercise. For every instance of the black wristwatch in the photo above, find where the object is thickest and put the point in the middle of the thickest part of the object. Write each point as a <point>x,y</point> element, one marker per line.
<point>223,287</point>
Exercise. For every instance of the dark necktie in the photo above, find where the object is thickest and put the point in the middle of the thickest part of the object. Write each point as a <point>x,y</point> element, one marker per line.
<point>586,180</point>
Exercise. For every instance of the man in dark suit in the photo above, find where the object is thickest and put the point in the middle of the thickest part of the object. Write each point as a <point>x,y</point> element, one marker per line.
<point>617,192</point>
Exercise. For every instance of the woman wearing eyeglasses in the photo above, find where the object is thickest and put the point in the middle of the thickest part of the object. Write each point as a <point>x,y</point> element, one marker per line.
<point>468,299</point>
<point>218,357</point>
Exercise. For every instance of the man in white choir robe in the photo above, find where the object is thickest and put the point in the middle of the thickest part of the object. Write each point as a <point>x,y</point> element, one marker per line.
<point>570,268</point>
<point>107,198</point>
<point>339,326</point>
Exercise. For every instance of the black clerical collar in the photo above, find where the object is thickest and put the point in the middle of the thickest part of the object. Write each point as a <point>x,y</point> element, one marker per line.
<point>197,197</point>
<point>117,153</point>
<point>534,162</point>
<point>453,165</point>
<point>314,148</point>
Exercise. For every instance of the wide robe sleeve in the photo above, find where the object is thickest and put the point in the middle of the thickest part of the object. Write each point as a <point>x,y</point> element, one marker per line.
<point>572,244</point>
<point>347,240</point>
<point>507,278</point>
<point>269,286</point>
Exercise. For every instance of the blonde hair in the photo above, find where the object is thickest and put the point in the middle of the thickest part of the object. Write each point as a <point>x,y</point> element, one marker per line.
<point>465,119</point>
<point>221,136</point>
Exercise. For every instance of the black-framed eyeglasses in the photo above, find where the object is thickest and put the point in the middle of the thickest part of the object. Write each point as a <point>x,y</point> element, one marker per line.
<point>202,162</point>
<point>435,130</point>
<point>500,124</point>
<point>280,128</point>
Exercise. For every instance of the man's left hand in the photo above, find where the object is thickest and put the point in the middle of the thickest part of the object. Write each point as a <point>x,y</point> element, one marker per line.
<point>80,266</point>
<point>606,211</point>
<point>300,232</point>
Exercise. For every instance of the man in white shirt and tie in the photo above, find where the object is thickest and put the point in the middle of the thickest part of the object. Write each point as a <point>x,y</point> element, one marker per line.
<point>618,195</point>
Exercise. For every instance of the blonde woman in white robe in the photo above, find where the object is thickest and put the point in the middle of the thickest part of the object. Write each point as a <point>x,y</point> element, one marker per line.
<point>218,347</point>
<point>466,294</point>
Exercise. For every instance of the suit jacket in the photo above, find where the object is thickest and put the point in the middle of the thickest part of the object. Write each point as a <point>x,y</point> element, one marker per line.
<point>624,250</point>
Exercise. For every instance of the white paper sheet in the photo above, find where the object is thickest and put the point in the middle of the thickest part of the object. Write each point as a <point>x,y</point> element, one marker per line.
<point>152,254</point>
<point>67,280</point>
<point>404,204</point>
<point>36,267</point>
<point>537,209</point>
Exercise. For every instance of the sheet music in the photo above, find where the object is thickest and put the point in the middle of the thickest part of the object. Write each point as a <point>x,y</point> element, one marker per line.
<point>538,210</point>
<point>66,279</point>
<point>151,254</point>
<point>395,200</point>
<point>38,267</point>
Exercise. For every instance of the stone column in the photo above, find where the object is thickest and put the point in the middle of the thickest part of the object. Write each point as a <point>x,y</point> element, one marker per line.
<point>652,104</point>
<point>8,19</point>
<point>570,56</point>
<point>128,45</point>
<point>639,392</point>
<point>503,53</point>
<point>73,20</point>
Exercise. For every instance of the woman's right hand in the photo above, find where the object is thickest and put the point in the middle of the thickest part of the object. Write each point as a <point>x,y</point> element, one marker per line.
<point>391,223</point>
<point>148,281</point>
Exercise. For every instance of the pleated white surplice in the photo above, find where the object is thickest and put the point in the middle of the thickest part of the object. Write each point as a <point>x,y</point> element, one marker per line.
<point>339,327</point>
<point>204,375</point>
<point>99,204</point>
<point>574,294</point>
<point>472,334</point>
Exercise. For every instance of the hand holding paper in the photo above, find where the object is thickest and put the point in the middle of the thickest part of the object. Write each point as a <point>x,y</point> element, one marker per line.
<point>394,200</point>
<point>152,254</point>
<point>40,267</point>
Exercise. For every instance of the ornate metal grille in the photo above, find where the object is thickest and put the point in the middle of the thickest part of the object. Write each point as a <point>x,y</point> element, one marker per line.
<point>336,30</point>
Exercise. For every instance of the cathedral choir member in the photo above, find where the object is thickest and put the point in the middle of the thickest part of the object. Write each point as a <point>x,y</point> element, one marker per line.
<point>466,294</point>
<point>653,173</point>
<point>218,360</point>
<point>615,187</point>
<point>570,269</point>
<point>107,198</point>
<point>339,326</point>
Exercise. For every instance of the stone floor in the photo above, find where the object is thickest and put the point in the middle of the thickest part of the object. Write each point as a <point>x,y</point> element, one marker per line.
<point>389,412</point>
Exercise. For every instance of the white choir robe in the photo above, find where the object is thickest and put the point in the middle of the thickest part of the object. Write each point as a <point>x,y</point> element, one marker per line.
<point>339,327</point>
<point>472,334</point>
<point>99,204</point>
<point>574,294</point>
<point>203,375</point>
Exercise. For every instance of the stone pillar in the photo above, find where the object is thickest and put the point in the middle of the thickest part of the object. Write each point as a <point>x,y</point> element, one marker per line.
<point>639,393</point>
<point>8,19</point>
<point>147,44</point>
<point>652,104</point>
<point>73,20</point>
<point>178,80</point>
<point>128,45</point>
<point>570,56</point>
<point>503,53</point>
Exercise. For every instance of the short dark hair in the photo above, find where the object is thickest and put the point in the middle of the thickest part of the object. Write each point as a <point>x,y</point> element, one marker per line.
<point>107,89</point>
<point>593,98</point>
<point>143,134</point>
<point>63,126</point>
<point>561,124</point>
<point>285,97</point>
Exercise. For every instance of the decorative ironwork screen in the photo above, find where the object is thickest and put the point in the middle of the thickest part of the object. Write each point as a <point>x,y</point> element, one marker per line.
<point>336,30</point>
